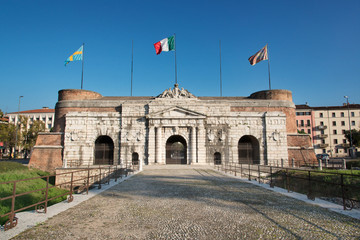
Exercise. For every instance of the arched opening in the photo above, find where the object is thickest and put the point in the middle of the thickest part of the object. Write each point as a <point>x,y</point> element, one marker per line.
<point>176,150</point>
<point>248,148</point>
<point>104,151</point>
<point>217,158</point>
<point>135,158</point>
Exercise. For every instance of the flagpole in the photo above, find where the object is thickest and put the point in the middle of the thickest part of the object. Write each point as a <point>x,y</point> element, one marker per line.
<point>175,59</point>
<point>82,70</point>
<point>220,70</point>
<point>132,63</point>
<point>267,49</point>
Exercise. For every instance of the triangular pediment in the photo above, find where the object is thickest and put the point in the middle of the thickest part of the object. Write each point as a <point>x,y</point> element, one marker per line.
<point>176,112</point>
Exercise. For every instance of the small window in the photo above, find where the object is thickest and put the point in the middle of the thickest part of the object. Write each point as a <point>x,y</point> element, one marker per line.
<point>308,123</point>
<point>323,141</point>
<point>336,150</point>
<point>321,115</point>
<point>334,132</point>
<point>342,123</point>
<point>334,123</point>
<point>322,131</point>
<point>297,123</point>
<point>352,114</point>
<point>352,123</point>
<point>343,131</point>
<point>309,131</point>
<point>49,126</point>
<point>301,123</point>
<point>324,150</point>
<point>342,114</point>
<point>344,140</point>
<point>335,141</point>
<point>321,123</point>
<point>333,115</point>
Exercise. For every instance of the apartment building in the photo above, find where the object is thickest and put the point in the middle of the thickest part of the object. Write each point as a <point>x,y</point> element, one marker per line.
<point>45,114</point>
<point>327,126</point>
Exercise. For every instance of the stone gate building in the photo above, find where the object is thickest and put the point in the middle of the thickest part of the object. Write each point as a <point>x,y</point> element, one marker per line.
<point>175,127</point>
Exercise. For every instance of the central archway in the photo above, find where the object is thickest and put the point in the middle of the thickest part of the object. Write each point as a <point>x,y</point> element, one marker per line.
<point>104,151</point>
<point>176,150</point>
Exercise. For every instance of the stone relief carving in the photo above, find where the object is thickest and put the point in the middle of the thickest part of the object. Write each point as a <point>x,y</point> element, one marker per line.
<point>216,135</point>
<point>176,93</point>
<point>72,136</point>
<point>130,136</point>
<point>140,135</point>
<point>211,135</point>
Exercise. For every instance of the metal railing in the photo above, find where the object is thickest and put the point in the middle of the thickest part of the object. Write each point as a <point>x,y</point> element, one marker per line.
<point>77,181</point>
<point>343,188</point>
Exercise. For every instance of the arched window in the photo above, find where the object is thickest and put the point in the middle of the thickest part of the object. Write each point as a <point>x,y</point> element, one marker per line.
<point>135,158</point>
<point>248,148</point>
<point>217,158</point>
<point>104,151</point>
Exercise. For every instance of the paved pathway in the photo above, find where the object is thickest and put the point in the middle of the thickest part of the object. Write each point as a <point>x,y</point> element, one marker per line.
<point>182,202</point>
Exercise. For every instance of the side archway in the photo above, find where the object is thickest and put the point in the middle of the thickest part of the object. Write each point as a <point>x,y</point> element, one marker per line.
<point>176,150</point>
<point>104,151</point>
<point>248,150</point>
<point>135,158</point>
<point>217,158</point>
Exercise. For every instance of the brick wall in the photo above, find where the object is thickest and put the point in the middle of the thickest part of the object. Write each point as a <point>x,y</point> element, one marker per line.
<point>300,149</point>
<point>47,152</point>
<point>77,94</point>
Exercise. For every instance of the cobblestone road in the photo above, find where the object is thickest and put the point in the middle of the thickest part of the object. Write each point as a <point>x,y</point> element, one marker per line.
<point>193,203</point>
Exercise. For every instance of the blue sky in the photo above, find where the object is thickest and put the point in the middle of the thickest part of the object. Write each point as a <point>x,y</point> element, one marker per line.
<point>313,48</point>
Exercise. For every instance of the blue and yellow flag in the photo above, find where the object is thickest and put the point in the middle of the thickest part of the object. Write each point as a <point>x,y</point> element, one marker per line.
<point>76,56</point>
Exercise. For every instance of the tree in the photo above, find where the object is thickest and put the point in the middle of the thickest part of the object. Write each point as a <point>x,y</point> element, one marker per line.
<point>7,135</point>
<point>1,114</point>
<point>30,135</point>
<point>355,135</point>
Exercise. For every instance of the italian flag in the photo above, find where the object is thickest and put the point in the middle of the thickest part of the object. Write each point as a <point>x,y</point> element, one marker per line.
<point>167,44</point>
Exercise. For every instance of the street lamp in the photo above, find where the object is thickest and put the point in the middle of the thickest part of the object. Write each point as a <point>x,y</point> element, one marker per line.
<point>347,102</point>
<point>16,128</point>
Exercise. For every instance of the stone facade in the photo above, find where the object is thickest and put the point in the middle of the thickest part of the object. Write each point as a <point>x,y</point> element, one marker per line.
<point>174,127</point>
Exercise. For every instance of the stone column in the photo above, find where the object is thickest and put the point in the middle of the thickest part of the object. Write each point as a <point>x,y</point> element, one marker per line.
<point>151,145</point>
<point>158,145</point>
<point>201,151</point>
<point>193,146</point>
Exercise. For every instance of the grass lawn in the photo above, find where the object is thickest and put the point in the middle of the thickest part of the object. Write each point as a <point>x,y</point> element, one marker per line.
<point>11,171</point>
<point>326,183</point>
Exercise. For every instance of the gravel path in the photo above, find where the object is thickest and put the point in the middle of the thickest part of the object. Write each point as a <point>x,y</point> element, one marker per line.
<point>193,203</point>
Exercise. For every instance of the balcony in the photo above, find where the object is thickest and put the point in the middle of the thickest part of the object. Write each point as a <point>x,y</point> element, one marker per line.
<point>322,127</point>
<point>345,145</point>
<point>323,145</point>
<point>322,136</point>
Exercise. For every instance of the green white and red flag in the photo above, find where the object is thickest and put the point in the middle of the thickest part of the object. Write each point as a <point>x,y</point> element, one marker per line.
<point>165,45</point>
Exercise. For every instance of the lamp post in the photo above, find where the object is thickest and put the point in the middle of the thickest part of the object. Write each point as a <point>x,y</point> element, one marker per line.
<point>347,102</point>
<point>16,128</point>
